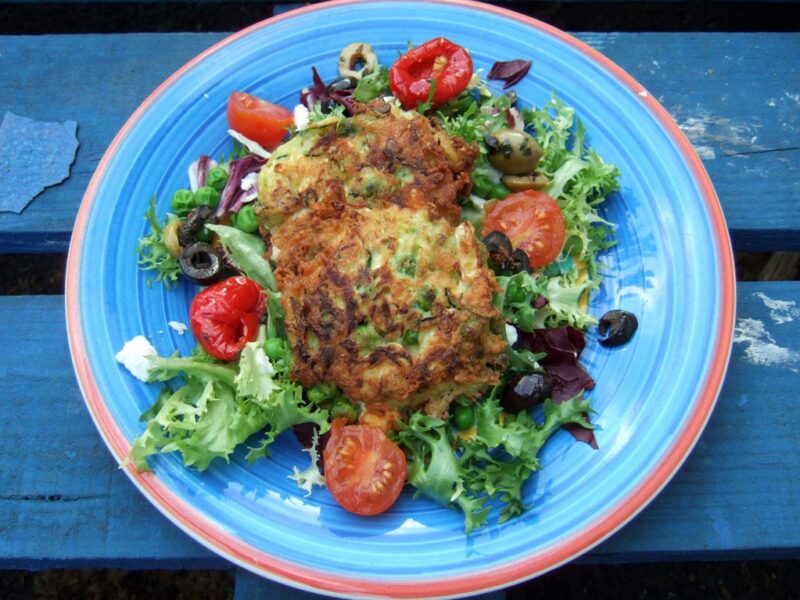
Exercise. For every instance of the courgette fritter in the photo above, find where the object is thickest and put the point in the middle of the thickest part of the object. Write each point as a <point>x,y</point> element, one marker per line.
<point>381,156</point>
<point>385,294</point>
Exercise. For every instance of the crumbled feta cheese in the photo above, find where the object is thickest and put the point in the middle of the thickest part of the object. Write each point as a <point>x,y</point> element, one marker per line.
<point>135,355</point>
<point>300,117</point>
<point>249,181</point>
<point>511,334</point>
<point>178,326</point>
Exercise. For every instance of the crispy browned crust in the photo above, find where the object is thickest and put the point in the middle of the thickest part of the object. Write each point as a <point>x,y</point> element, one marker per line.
<point>360,269</point>
<point>414,162</point>
<point>329,293</point>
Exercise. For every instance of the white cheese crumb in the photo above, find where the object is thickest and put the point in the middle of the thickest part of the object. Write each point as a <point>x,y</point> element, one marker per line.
<point>249,181</point>
<point>178,326</point>
<point>135,355</point>
<point>511,334</point>
<point>300,117</point>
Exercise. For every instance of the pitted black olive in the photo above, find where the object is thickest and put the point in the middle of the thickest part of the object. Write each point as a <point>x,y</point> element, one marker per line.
<point>518,261</point>
<point>616,327</point>
<point>342,84</point>
<point>499,247</point>
<point>202,263</point>
<point>502,255</point>
<point>194,223</point>
<point>526,390</point>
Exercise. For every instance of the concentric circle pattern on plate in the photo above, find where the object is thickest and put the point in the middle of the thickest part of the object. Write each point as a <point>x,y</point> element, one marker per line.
<point>671,267</point>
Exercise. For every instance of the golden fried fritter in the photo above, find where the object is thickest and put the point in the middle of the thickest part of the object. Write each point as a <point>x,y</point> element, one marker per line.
<point>385,294</point>
<point>390,305</point>
<point>381,156</point>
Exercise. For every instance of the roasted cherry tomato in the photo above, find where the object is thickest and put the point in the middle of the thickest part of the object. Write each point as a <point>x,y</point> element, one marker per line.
<point>532,221</point>
<point>364,470</point>
<point>225,316</point>
<point>258,120</point>
<point>439,60</point>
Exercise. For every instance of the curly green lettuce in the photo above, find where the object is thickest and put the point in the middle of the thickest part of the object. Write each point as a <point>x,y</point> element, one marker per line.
<point>466,472</point>
<point>153,253</point>
<point>219,406</point>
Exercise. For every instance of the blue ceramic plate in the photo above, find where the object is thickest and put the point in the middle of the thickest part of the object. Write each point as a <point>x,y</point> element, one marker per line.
<point>650,410</point>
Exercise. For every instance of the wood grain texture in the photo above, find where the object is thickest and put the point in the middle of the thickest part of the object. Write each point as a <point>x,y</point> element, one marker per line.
<point>735,95</point>
<point>63,502</point>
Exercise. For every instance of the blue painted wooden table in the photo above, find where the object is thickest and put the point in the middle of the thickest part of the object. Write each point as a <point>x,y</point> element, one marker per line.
<point>736,96</point>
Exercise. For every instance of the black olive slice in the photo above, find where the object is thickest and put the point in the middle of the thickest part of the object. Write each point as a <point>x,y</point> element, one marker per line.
<point>202,263</point>
<point>518,261</point>
<point>195,221</point>
<point>525,391</point>
<point>499,248</point>
<point>342,84</point>
<point>616,327</point>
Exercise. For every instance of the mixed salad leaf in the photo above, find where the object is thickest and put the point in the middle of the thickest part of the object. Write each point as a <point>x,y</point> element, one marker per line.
<point>208,408</point>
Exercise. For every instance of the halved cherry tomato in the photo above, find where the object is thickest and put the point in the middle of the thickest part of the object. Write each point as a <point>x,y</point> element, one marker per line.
<point>225,316</point>
<point>439,60</point>
<point>532,221</point>
<point>365,471</point>
<point>258,120</point>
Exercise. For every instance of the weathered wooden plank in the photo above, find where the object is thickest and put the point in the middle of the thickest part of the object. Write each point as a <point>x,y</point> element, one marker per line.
<point>252,587</point>
<point>735,496</point>
<point>735,95</point>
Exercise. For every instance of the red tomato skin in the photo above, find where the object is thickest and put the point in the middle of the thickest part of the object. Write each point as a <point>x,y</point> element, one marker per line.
<point>532,221</point>
<point>356,457</point>
<point>258,120</point>
<point>226,316</point>
<point>410,75</point>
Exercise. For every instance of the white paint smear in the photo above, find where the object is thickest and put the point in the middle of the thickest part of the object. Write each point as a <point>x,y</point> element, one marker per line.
<point>780,311</point>
<point>761,348</point>
<point>705,152</point>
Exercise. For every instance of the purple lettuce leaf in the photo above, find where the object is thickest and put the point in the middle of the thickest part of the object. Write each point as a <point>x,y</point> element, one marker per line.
<point>510,71</point>
<point>239,169</point>
<point>563,347</point>
<point>319,92</point>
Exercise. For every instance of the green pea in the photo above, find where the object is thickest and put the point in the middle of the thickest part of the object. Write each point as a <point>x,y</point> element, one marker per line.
<point>342,407</point>
<point>481,185</point>
<point>208,196</point>
<point>321,392</point>
<point>463,415</point>
<point>410,337</point>
<point>246,219</point>
<point>217,178</point>
<point>274,348</point>
<point>499,191</point>
<point>204,235</point>
<point>182,202</point>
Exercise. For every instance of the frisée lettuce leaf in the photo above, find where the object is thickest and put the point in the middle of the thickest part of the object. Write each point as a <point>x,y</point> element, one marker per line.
<point>487,470</point>
<point>216,407</point>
